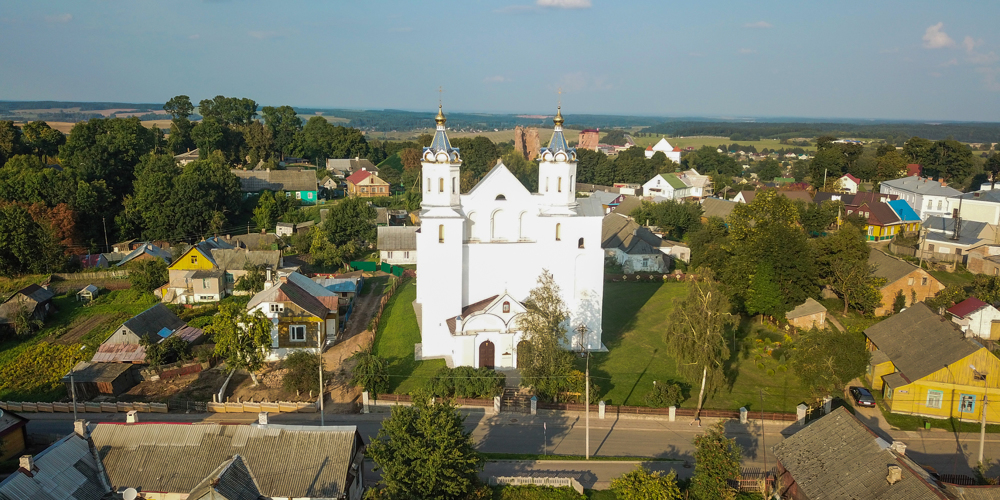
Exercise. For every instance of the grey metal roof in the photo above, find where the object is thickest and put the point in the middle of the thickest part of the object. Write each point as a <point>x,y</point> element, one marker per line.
<point>67,470</point>
<point>919,342</point>
<point>619,232</point>
<point>150,249</point>
<point>286,461</point>
<point>717,207</point>
<point>255,241</point>
<point>397,238</point>
<point>890,268</point>
<point>314,289</point>
<point>97,372</point>
<point>809,307</point>
<point>253,181</point>
<point>990,196</point>
<point>837,457</point>
<point>627,205</point>
<point>151,321</point>
<point>919,185</point>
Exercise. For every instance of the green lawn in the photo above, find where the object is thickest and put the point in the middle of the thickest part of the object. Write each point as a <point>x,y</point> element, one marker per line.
<point>961,277</point>
<point>635,318</point>
<point>394,340</point>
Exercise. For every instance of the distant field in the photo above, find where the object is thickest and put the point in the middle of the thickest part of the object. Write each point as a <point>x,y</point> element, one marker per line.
<point>699,141</point>
<point>544,135</point>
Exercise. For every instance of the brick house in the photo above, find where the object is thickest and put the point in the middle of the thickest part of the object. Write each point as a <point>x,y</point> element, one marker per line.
<point>807,315</point>
<point>365,184</point>
<point>984,259</point>
<point>914,283</point>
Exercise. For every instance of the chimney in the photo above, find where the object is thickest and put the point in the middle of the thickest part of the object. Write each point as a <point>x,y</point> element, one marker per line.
<point>283,279</point>
<point>895,474</point>
<point>132,417</point>
<point>262,418</point>
<point>80,428</point>
<point>27,463</point>
<point>269,277</point>
<point>899,447</point>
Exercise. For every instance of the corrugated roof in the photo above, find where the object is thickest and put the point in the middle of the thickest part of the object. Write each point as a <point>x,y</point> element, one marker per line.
<point>904,211</point>
<point>717,207</point>
<point>358,176</point>
<point>837,457</point>
<point>966,307</point>
<point>921,185</point>
<point>230,481</point>
<point>148,249</point>
<point>810,306</point>
<point>238,259</point>
<point>890,268</point>
<point>67,470</point>
<point>252,181</point>
<point>286,461</point>
<point>152,320</point>
<point>119,353</point>
<point>293,293</point>
<point>97,372</point>
<point>919,342</point>
<point>397,238</point>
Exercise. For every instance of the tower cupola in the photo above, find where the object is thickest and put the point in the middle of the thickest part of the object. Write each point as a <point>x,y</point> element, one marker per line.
<point>557,170</point>
<point>440,168</point>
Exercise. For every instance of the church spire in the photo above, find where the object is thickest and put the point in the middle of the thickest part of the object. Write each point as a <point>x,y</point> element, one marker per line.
<point>440,144</point>
<point>558,144</point>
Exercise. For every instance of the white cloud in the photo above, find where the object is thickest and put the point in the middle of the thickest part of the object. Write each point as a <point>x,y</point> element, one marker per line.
<point>981,59</point>
<point>59,18</point>
<point>969,43</point>
<point>747,51</point>
<point>564,4</point>
<point>759,24</point>
<point>990,77</point>
<point>496,79</point>
<point>934,38</point>
<point>263,35</point>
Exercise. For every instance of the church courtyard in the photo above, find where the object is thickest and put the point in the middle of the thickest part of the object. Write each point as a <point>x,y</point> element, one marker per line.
<point>635,317</point>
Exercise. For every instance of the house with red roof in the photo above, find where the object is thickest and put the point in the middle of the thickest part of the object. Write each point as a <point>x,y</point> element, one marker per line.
<point>914,169</point>
<point>976,318</point>
<point>849,183</point>
<point>673,154</point>
<point>364,184</point>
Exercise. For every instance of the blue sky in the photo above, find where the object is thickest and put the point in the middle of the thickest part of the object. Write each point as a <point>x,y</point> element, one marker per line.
<point>882,60</point>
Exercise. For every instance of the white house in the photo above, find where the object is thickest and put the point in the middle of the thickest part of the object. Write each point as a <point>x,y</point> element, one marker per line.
<point>397,245</point>
<point>976,318</point>
<point>673,154</point>
<point>632,246</point>
<point>979,206</point>
<point>928,197</point>
<point>849,183</point>
<point>667,186</point>
<point>479,254</point>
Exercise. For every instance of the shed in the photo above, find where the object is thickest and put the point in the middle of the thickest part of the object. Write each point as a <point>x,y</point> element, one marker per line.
<point>87,293</point>
<point>92,379</point>
<point>807,315</point>
<point>155,323</point>
<point>13,434</point>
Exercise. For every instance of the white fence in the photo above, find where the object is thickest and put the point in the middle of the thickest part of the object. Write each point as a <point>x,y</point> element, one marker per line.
<point>555,482</point>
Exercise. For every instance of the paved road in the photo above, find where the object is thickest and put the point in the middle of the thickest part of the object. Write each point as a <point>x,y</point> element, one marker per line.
<point>565,435</point>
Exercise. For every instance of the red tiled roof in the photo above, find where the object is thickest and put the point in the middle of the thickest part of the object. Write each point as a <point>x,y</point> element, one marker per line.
<point>914,169</point>
<point>966,307</point>
<point>650,148</point>
<point>358,176</point>
<point>675,149</point>
<point>469,309</point>
<point>853,178</point>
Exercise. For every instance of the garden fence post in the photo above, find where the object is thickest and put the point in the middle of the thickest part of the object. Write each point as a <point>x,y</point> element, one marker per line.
<point>743,415</point>
<point>600,410</point>
<point>673,413</point>
<point>800,413</point>
<point>365,402</point>
<point>534,405</point>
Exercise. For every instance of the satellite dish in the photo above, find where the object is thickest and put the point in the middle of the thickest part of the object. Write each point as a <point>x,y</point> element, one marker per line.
<point>130,494</point>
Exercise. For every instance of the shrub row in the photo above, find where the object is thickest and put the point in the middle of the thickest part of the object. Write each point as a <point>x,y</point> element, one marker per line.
<point>466,382</point>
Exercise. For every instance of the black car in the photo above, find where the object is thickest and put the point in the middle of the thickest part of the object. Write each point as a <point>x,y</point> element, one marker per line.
<point>862,397</point>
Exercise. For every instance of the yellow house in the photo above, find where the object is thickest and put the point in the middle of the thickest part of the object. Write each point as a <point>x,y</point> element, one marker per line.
<point>208,271</point>
<point>925,366</point>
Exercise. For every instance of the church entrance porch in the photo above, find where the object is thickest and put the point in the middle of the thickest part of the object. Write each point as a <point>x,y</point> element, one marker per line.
<point>487,355</point>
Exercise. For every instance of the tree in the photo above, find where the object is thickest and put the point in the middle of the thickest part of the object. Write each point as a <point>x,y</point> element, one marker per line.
<point>828,359</point>
<point>42,140</point>
<point>884,149</point>
<point>842,262</point>
<point>107,149</point>
<point>10,141</point>
<point>951,295</point>
<point>993,167</point>
<point>147,274</point>
<point>949,159</point>
<point>353,219</point>
<point>717,460</point>
<point>817,217</point>
<point>545,363</point>
<point>986,288</point>
<point>228,110</point>
<point>768,169</point>
<point>642,484</point>
<point>918,150</point>
<point>676,218</point>
<point>283,123</point>
<point>615,137</point>
<point>479,155</point>
<point>764,296</point>
<point>424,452</point>
<point>890,165</point>
<point>23,321</point>
<point>25,245</point>
<point>252,281</point>
<point>695,333</point>
<point>371,373</point>
<point>303,372</point>
<point>180,110</point>
<point>800,170</point>
<point>241,338</point>
<point>830,163</point>
<point>707,160</point>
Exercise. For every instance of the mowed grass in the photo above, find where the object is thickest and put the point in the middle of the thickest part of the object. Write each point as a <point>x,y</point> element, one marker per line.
<point>960,277</point>
<point>394,340</point>
<point>635,321</point>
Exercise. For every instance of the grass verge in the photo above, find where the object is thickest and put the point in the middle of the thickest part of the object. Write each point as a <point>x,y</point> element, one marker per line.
<point>394,340</point>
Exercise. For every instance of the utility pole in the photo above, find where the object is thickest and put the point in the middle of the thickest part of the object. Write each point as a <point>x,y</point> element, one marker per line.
<point>319,344</point>
<point>763,443</point>
<point>72,386</point>
<point>107,248</point>
<point>982,429</point>
<point>586,412</point>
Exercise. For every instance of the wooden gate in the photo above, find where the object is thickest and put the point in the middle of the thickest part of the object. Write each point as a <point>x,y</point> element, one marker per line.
<point>487,355</point>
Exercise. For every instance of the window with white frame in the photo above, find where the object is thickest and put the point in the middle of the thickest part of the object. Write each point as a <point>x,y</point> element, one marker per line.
<point>934,399</point>
<point>297,333</point>
<point>967,403</point>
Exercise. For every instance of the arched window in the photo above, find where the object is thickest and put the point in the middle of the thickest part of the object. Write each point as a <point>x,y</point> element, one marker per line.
<point>441,233</point>
<point>501,197</point>
<point>506,307</point>
<point>558,232</point>
<point>579,244</point>
<point>428,184</point>
<point>495,223</point>
<point>453,185</point>
<point>440,184</point>
<point>472,225</point>
<point>546,184</point>
<point>559,184</point>
<point>520,227</point>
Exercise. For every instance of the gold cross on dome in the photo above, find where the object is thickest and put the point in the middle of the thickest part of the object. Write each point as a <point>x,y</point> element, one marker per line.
<point>440,91</point>
<point>560,96</point>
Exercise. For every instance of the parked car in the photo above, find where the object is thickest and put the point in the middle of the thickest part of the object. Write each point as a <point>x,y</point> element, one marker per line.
<point>862,397</point>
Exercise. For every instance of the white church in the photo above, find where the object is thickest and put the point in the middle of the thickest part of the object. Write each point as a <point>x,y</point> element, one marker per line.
<point>480,253</point>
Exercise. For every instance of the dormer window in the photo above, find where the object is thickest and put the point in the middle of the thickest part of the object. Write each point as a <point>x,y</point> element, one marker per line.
<point>506,307</point>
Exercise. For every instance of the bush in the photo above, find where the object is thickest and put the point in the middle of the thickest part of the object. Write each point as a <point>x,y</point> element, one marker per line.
<point>147,275</point>
<point>665,395</point>
<point>466,382</point>
<point>303,372</point>
<point>168,351</point>
<point>201,322</point>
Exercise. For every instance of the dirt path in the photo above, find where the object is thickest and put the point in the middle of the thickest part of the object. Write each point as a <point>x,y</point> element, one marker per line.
<point>82,327</point>
<point>364,307</point>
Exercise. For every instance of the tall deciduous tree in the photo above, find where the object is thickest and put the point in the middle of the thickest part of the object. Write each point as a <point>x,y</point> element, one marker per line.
<point>147,274</point>
<point>241,338</point>
<point>41,139</point>
<point>350,220</point>
<point>763,296</point>
<point>827,359</point>
<point>993,167</point>
<point>842,262</point>
<point>107,149</point>
<point>25,245</point>
<point>643,484</point>
<point>371,373</point>
<point>10,141</point>
<point>283,123</point>
<point>228,110</point>
<point>696,332</point>
<point>180,110</point>
<point>717,460</point>
<point>424,452</point>
<point>544,362</point>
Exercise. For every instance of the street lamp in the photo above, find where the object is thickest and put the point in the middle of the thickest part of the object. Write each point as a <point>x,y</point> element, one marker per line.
<point>582,330</point>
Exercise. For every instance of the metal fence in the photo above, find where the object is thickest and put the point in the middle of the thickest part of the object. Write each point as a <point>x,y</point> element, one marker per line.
<point>118,273</point>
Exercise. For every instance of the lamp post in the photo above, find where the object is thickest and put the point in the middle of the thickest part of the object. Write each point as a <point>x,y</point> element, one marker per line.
<point>582,329</point>
<point>319,346</point>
